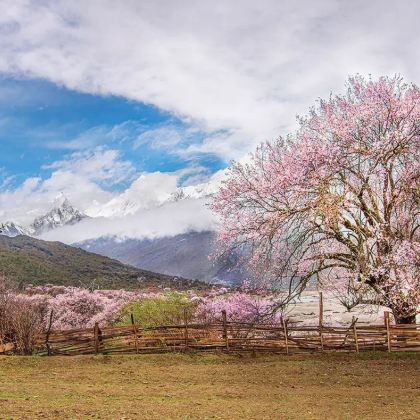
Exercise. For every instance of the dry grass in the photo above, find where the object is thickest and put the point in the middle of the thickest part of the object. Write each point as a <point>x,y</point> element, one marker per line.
<point>331,386</point>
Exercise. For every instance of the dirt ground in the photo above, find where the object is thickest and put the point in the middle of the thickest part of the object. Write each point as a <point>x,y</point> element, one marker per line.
<point>197,386</point>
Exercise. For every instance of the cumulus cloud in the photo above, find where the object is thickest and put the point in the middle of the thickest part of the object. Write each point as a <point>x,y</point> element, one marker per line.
<point>99,165</point>
<point>145,209</point>
<point>243,68</point>
<point>235,73</point>
<point>81,177</point>
<point>147,191</point>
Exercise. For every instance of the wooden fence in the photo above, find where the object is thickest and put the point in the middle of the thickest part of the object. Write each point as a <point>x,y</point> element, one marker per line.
<point>230,337</point>
<point>224,335</point>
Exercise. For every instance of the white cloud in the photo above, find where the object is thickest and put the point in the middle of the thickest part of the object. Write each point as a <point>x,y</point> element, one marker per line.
<point>147,191</point>
<point>236,73</point>
<point>146,208</point>
<point>79,178</point>
<point>92,137</point>
<point>98,165</point>
<point>5,178</point>
<point>243,67</point>
<point>169,219</point>
<point>164,137</point>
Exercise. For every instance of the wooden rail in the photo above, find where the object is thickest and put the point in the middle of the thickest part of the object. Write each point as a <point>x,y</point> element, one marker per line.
<point>228,336</point>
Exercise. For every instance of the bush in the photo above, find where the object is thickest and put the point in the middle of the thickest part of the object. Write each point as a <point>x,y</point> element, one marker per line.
<point>27,321</point>
<point>6,307</point>
<point>163,310</point>
<point>76,307</point>
<point>21,319</point>
<point>239,307</point>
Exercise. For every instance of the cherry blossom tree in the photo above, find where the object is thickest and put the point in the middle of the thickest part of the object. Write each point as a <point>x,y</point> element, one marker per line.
<point>338,199</point>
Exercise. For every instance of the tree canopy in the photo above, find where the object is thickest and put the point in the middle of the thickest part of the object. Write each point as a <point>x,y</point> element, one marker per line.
<point>337,200</point>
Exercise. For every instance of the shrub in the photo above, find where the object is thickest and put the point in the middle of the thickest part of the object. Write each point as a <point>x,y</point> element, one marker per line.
<point>239,307</point>
<point>161,310</point>
<point>76,307</point>
<point>27,322</point>
<point>6,307</point>
<point>21,318</point>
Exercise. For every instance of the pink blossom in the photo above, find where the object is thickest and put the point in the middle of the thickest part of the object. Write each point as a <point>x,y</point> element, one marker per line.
<point>338,199</point>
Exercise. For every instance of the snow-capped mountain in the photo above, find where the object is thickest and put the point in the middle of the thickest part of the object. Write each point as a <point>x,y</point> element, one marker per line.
<point>146,192</point>
<point>151,191</point>
<point>204,190</point>
<point>200,191</point>
<point>63,213</point>
<point>150,206</point>
<point>12,229</point>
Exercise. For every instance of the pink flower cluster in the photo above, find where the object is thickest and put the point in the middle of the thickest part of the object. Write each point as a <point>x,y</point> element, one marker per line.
<point>239,307</point>
<point>75,307</point>
<point>401,286</point>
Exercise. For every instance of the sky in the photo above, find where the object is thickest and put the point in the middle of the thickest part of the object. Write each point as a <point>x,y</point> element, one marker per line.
<point>99,97</point>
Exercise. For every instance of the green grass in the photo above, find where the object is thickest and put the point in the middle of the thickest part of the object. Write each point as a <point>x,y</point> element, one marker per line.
<point>199,386</point>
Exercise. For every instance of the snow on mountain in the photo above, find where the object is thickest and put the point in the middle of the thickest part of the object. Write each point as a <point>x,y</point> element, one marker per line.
<point>146,192</point>
<point>12,229</point>
<point>151,191</point>
<point>63,213</point>
<point>204,190</point>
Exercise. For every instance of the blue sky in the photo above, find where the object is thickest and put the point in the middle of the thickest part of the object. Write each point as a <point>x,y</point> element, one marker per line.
<point>43,123</point>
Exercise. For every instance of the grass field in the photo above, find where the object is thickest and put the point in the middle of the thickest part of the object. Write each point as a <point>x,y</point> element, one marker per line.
<point>329,386</point>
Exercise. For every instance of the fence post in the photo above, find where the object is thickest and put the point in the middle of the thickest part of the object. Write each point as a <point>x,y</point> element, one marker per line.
<point>356,341</point>
<point>285,335</point>
<point>136,343</point>
<point>225,334</point>
<point>47,336</point>
<point>388,334</point>
<point>321,319</point>
<point>186,329</point>
<point>96,333</point>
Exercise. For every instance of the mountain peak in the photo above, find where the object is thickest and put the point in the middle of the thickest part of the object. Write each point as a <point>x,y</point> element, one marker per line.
<point>63,213</point>
<point>12,229</point>
<point>61,201</point>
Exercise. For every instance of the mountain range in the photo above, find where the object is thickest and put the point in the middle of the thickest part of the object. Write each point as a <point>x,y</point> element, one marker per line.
<point>61,214</point>
<point>12,229</point>
<point>186,255</point>
<point>183,255</point>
